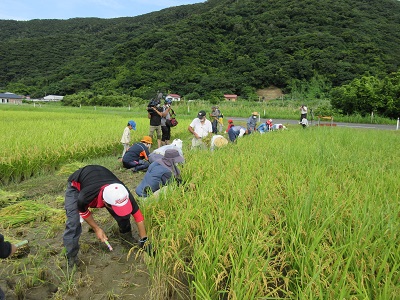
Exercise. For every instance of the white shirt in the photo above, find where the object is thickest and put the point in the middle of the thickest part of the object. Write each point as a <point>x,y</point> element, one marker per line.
<point>202,129</point>
<point>126,136</point>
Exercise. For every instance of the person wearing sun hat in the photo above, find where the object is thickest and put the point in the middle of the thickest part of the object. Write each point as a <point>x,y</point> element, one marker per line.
<point>126,136</point>
<point>161,173</point>
<point>218,141</point>
<point>201,128</point>
<point>136,157</point>
<point>95,186</point>
<point>252,122</point>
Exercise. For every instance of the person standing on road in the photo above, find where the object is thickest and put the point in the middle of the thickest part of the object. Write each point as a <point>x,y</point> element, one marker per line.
<point>201,128</point>
<point>95,186</point>
<point>303,113</point>
<point>6,250</point>
<point>126,136</point>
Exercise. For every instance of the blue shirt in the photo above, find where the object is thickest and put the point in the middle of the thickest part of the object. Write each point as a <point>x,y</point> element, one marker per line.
<point>157,175</point>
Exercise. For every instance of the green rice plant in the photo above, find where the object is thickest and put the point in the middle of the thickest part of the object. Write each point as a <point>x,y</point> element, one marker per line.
<point>20,290</point>
<point>43,141</point>
<point>299,214</point>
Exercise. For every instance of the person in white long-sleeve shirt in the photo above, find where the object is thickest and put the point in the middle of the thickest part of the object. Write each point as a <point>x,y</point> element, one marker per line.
<point>126,136</point>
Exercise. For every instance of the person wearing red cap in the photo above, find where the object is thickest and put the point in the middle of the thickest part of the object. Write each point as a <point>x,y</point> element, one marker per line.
<point>95,186</point>
<point>230,124</point>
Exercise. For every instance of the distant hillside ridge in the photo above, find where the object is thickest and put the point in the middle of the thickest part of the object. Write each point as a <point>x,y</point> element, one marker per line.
<point>198,50</point>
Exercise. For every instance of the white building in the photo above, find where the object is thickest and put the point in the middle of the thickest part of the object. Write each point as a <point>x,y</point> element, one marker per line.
<point>173,97</point>
<point>53,98</point>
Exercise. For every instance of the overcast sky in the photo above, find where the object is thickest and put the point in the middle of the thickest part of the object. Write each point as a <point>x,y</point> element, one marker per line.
<point>67,9</point>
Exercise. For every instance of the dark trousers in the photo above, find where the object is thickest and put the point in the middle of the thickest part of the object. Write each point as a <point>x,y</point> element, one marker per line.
<point>214,124</point>
<point>303,116</point>
<point>166,133</point>
<point>232,135</point>
<point>138,165</point>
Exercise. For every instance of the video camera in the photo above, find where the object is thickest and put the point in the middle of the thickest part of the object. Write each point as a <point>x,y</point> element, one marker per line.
<point>153,103</point>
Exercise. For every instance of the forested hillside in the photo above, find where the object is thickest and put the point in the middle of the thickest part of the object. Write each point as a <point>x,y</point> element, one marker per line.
<point>229,46</point>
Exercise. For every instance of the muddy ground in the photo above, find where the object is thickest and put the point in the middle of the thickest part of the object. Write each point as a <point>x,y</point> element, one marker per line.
<point>39,271</point>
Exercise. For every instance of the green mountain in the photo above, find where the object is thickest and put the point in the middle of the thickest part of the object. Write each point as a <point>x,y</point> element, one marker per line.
<point>230,46</point>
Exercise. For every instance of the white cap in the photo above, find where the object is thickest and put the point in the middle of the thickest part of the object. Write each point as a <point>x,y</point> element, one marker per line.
<point>118,197</point>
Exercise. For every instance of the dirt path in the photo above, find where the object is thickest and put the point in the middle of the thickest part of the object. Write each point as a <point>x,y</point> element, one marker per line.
<point>39,272</point>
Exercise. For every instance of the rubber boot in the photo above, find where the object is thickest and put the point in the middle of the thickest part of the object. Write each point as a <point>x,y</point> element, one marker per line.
<point>72,262</point>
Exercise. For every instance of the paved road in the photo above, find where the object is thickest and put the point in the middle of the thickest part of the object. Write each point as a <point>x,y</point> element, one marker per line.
<point>315,122</point>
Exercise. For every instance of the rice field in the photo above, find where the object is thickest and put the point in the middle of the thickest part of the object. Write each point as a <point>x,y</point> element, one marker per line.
<point>39,141</point>
<point>296,214</point>
<point>300,214</point>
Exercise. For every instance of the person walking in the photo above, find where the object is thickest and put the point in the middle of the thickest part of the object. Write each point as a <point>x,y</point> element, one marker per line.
<point>6,250</point>
<point>137,156</point>
<point>126,136</point>
<point>201,128</point>
<point>94,186</point>
<point>161,173</point>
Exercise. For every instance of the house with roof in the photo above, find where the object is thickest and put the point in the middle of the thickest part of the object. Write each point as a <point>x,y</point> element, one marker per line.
<point>10,98</point>
<point>230,97</point>
<point>173,97</point>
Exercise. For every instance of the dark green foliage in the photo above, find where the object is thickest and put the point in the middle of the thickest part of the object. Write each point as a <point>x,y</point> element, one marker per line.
<point>229,46</point>
<point>369,94</point>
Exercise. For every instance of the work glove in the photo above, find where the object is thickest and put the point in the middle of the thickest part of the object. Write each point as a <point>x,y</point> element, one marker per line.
<point>145,245</point>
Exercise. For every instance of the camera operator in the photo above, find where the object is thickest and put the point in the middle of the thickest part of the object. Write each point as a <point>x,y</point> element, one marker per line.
<point>155,113</point>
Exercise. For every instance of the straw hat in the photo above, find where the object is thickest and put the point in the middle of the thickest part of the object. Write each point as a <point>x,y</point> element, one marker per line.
<point>220,142</point>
